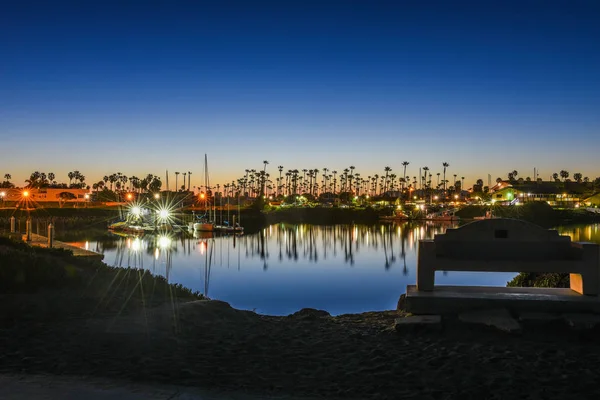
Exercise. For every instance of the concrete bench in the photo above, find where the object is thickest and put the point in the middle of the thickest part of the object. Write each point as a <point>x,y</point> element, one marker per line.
<point>508,245</point>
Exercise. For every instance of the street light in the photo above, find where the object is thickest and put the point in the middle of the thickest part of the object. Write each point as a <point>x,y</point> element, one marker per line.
<point>156,196</point>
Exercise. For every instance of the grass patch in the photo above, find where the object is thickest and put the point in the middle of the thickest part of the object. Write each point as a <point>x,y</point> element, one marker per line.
<point>43,284</point>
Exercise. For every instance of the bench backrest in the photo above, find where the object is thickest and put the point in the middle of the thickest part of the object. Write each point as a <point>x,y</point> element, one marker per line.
<point>504,239</point>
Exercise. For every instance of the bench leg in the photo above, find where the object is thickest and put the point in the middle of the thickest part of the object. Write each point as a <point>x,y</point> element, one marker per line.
<point>425,266</point>
<point>588,282</point>
<point>425,278</point>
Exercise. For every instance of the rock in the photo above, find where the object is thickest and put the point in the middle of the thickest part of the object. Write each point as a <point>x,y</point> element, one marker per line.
<point>539,318</point>
<point>418,322</point>
<point>582,321</point>
<point>499,318</point>
<point>310,313</point>
<point>401,302</point>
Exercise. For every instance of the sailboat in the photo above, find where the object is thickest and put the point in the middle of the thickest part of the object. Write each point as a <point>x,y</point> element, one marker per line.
<point>205,224</point>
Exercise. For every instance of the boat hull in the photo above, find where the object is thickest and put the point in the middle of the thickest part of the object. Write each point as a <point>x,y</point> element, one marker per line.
<point>204,227</point>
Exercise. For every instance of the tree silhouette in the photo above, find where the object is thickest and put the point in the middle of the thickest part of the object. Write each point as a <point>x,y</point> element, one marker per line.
<point>445,165</point>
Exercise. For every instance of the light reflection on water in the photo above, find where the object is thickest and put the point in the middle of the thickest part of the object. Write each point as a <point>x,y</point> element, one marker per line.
<point>286,267</point>
<point>582,233</point>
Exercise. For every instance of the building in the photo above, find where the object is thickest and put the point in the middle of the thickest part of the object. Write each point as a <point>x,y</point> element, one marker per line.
<point>44,195</point>
<point>560,194</point>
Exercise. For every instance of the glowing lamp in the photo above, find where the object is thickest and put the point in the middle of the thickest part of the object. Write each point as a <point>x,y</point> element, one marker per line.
<point>164,242</point>
<point>164,214</point>
<point>2,194</point>
<point>136,211</point>
<point>129,196</point>
<point>156,196</point>
<point>25,193</point>
<point>136,245</point>
<point>87,196</point>
<point>202,195</point>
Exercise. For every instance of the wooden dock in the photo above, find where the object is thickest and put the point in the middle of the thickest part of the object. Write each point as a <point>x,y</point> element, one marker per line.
<point>42,241</point>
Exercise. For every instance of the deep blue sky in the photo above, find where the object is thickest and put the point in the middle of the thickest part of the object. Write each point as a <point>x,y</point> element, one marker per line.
<point>142,86</point>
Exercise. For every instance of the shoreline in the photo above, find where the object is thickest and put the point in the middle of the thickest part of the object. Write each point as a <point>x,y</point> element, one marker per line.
<point>90,327</point>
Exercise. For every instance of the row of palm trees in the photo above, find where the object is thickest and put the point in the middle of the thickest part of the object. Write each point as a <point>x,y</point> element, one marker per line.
<point>322,181</point>
<point>118,183</point>
<point>564,174</point>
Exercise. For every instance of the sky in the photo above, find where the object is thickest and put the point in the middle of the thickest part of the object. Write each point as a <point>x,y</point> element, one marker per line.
<point>144,86</point>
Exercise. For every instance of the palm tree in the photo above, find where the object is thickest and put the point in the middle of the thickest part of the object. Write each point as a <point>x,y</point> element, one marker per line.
<point>264,174</point>
<point>385,180</point>
<point>71,175</point>
<point>8,177</point>
<point>445,165</point>
<point>564,174</point>
<point>426,170</point>
<point>189,179</point>
<point>334,181</point>
<point>555,176</point>
<point>280,168</point>
<point>577,176</point>
<point>405,164</point>
<point>112,179</point>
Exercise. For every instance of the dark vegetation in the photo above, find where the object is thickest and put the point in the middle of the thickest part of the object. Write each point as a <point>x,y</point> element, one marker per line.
<point>539,213</point>
<point>41,284</point>
<point>536,279</point>
<point>323,216</point>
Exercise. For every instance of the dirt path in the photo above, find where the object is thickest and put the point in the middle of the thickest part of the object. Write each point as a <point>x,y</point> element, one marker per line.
<point>49,387</point>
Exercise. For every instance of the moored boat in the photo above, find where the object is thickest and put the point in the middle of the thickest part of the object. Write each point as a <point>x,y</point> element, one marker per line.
<point>204,226</point>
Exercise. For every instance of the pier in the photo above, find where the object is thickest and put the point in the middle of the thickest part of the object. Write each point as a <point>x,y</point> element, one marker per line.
<point>42,241</point>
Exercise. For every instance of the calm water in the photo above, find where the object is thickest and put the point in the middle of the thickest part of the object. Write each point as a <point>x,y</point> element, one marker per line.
<point>283,268</point>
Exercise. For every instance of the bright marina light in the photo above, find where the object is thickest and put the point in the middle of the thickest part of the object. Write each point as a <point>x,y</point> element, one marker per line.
<point>136,245</point>
<point>164,242</point>
<point>156,196</point>
<point>25,193</point>
<point>2,194</point>
<point>163,213</point>
<point>129,196</point>
<point>136,211</point>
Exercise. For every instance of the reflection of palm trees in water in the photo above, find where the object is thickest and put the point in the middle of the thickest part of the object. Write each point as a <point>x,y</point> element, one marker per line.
<point>316,241</point>
<point>130,250</point>
<point>208,246</point>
